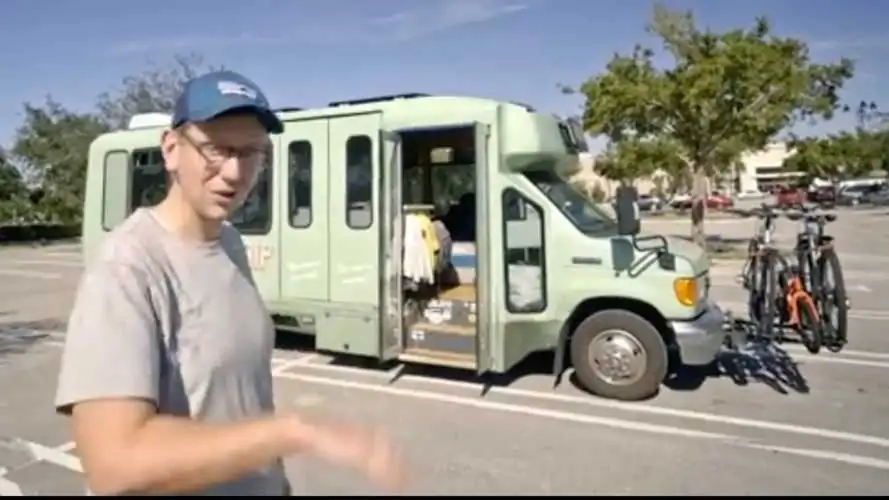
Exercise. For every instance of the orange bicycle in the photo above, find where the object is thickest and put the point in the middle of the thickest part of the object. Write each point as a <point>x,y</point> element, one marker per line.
<point>777,299</point>
<point>801,312</point>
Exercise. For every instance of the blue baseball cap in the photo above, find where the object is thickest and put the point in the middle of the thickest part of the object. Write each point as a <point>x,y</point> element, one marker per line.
<point>221,92</point>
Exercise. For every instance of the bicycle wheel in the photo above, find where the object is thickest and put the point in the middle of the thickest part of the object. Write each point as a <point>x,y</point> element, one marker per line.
<point>807,271</point>
<point>809,326</point>
<point>768,304</point>
<point>835,295</point>
<point>750,280</point>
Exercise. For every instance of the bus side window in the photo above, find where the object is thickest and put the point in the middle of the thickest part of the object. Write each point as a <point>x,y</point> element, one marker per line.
<point>523,251</point>
<point>300,192</point>
<point>359,182</point>
<point>149,182</point>
<point>254,216</point>
<point>115,205</point>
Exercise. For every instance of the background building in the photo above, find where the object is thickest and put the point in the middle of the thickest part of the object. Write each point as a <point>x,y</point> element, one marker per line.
<point>760,170</point>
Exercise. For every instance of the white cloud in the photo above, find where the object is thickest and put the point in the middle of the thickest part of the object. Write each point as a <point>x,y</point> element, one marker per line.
<point>864,42</point>
<point>443,15</point>
<point>192,42</point>
<point>408,24</point>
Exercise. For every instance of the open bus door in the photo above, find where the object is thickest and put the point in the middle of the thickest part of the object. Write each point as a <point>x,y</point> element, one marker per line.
<point>392,233</point>
<point>485,322</point>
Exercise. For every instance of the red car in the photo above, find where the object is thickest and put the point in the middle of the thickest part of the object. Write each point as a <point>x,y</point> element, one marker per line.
<point>788,197</point>
<point>717,201</point>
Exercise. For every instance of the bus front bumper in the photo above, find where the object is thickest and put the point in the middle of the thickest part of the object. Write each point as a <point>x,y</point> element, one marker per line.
<point>701,339</point>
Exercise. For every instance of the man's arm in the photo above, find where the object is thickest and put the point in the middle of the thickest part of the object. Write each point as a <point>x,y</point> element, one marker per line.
<point>126,447</point>
<point>109,384</point>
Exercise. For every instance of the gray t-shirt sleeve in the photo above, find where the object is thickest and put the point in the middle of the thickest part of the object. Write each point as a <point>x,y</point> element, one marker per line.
<point>112,346</point>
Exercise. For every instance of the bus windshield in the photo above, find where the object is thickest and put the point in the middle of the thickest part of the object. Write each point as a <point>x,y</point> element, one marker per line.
<point>578,209</point>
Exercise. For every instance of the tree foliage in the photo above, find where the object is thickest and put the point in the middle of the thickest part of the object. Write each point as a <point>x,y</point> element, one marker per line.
<point>723,93</point>
<point>43,175</point>
<point>153,90</point>
<point>53,144</point>
<point>636,158</point>
<point>842,155</point>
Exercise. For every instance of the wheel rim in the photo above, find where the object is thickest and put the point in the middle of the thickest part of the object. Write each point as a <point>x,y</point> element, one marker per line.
<point>618,357</point>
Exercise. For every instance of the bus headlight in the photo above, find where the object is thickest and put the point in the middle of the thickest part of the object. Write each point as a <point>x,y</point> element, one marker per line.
<point>686,291</point>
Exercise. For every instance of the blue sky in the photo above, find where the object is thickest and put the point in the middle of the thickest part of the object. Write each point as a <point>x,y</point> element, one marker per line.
<point>309,52</point>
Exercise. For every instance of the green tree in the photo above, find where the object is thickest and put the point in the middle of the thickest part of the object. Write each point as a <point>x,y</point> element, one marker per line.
<point>11,182</point>
<point>725,92</point>
<point>14,203</point>
<point>631,159</point>
<point>839,156</point>
<point>152,91</point>
<point>53,144</point>
<point>597,193</point>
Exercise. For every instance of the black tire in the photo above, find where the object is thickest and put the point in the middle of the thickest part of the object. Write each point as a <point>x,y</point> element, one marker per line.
<point>839,335</point>
<point>809,325</point>
<point>769,290</point>
<point>644,334</point>
<point>752,280</point>
<point>807,271</point>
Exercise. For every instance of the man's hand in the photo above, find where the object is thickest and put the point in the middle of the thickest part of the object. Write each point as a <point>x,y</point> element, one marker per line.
<point>368,450</point>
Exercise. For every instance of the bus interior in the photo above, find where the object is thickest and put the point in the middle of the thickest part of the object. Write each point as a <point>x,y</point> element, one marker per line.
<point>439,183</point>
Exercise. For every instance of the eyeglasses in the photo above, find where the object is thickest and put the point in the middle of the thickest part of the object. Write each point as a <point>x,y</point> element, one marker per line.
<point>216,154</point>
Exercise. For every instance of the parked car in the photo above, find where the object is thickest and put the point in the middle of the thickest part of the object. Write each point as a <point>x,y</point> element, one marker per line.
<point>715,201</point>
<point>852,195</point>
<point>680,201</point>
<point>822,195</point>
<point>650,203</point>
<point>878,196</point>
<point>751,194</point>
<point>787,197</point>
<point>718,201</point>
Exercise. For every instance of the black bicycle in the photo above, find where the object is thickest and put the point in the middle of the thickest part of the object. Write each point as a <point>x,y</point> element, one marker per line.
<point>822,275</point>
<point>776,296</point>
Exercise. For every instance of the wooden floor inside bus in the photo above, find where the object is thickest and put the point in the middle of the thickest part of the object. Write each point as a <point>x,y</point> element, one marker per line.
<point>459,292</point>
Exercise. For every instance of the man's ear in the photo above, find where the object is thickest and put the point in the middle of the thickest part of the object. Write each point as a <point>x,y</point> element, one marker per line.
<point>170,149</point>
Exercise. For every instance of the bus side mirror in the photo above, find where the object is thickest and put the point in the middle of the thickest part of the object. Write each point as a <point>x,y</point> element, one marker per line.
<point>626,208</point>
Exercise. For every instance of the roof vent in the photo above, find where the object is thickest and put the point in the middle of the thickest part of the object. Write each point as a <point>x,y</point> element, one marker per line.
<point>150,120</point>
<point>384,98</point>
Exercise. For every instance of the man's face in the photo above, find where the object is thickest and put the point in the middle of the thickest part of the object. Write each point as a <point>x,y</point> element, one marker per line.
<point>216,163</point>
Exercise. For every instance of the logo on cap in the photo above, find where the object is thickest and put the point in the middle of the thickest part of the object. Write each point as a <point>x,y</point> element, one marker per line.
<point>233,88</point>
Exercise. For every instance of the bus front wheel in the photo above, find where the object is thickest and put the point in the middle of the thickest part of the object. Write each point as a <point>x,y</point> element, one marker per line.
<point>618,354</point>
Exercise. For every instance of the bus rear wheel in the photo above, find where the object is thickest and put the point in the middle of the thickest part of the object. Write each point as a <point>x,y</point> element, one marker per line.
<point>618,354</point>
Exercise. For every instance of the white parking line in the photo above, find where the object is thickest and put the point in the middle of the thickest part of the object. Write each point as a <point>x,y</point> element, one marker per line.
<point>10,489</point>
<point>845,353</point>
<point>20,273</point>
<point>591,401</point>
<point>859,460</point>
<point>60,263</point>
<point>865,314</point>
<point>53,456</point>
<point>59,455</point>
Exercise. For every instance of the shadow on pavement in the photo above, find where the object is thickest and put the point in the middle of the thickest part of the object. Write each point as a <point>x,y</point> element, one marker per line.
<point>17,337</point>
<point>767,364</point>
<point>540,363</point>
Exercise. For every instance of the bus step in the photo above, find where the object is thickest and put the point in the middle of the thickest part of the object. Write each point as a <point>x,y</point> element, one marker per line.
<point>438,358</point>
<point>448,338</point>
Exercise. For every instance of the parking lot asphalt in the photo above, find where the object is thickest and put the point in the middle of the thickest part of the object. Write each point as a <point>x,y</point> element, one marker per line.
<point>808,425</point>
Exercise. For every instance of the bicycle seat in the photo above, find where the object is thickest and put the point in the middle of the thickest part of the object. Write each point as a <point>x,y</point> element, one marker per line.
<point>795,216</point>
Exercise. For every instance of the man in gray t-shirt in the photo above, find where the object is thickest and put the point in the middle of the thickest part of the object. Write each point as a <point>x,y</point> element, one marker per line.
<point>166,370</point>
